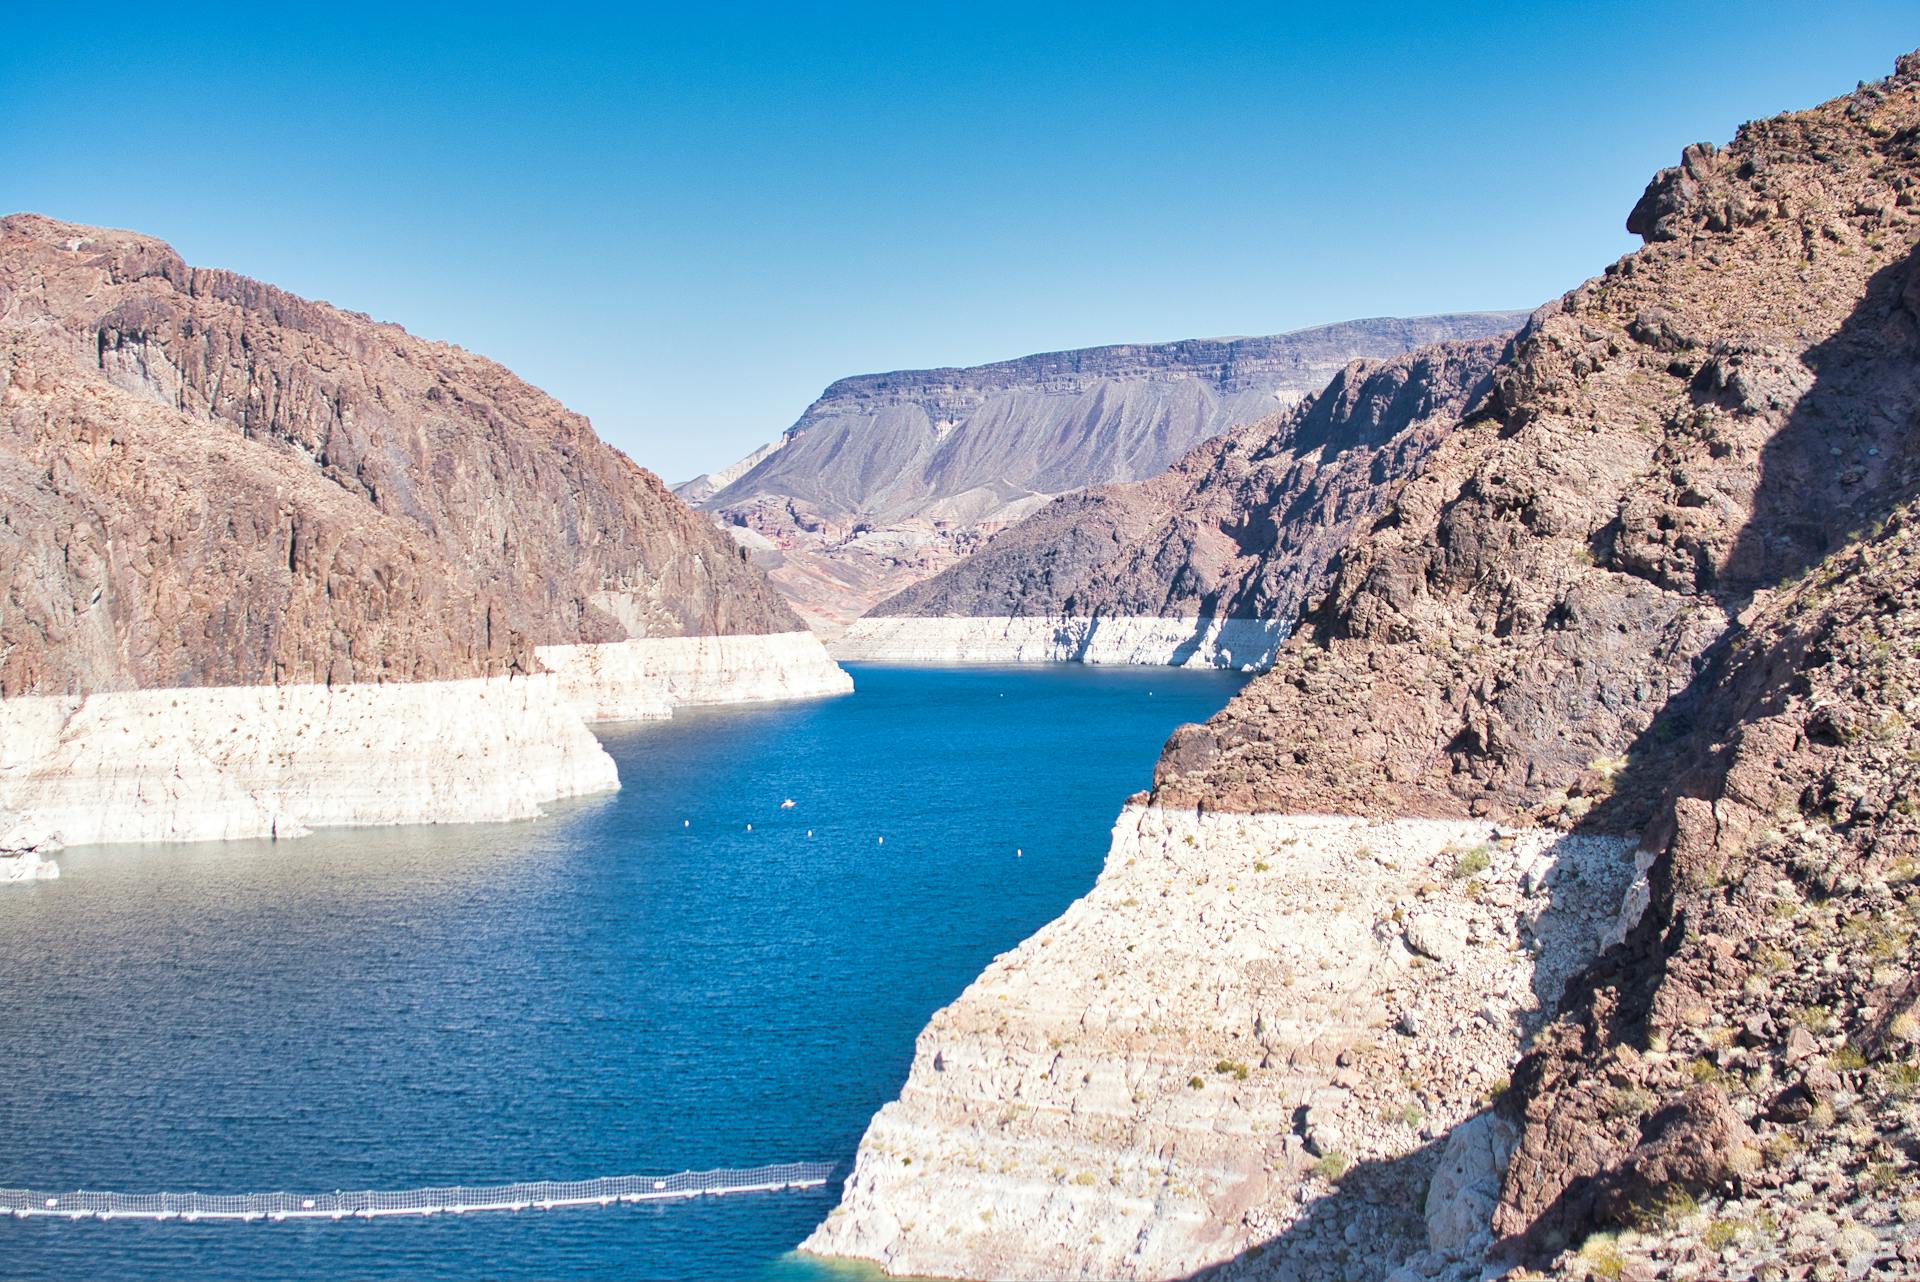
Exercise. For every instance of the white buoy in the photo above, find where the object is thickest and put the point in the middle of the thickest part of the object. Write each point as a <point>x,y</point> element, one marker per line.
<point>749,827</point>
<point>881,841</point>
<point>809,832</point>
<point>1018,853</point>
<point>686,823</point>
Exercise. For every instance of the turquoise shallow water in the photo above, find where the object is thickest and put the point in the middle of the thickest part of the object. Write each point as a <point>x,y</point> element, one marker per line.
<point>635,984</point>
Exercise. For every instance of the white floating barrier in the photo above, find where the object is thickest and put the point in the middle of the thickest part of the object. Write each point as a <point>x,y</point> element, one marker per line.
<point>457,1199</point>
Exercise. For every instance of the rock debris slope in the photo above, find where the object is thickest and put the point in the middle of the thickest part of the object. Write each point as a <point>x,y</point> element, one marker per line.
<point>1658,594</point>
<point>1243,528</point>
<point>889,478</point>
<point>208,482</point>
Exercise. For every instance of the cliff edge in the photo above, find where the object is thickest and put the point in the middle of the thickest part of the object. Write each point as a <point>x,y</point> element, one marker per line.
<point>1653,600</point>
<point>266,564</point>
<point>209,481</point>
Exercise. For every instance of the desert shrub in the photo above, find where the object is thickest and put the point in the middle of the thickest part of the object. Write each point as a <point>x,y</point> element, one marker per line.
<point>1331,1166</point>
<point>1473,862</point>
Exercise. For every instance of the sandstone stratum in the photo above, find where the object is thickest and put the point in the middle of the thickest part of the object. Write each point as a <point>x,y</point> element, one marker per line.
<point>209,484</point>
<point>889,478</point>
<point>1655,594</point>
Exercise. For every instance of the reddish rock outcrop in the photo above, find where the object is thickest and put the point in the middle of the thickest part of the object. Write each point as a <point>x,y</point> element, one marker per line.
<point>1669,584</point>
<point>209,481</point>
<point>1775,958</point>
<point>1710,417</point>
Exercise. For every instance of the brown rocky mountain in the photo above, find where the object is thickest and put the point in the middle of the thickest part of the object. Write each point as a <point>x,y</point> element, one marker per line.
<point>1244,526</point>
<point>209,481</point>
<point>1664,584</point>
<point>889,478</point>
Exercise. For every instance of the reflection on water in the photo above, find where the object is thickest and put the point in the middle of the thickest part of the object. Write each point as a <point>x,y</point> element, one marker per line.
<point>636,983</point>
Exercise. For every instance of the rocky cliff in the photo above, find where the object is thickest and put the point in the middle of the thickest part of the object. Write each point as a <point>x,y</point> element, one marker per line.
<point>266,564</point>
<point>1714,415</point>
<point>1236,1034</point>
<point>1659,590</point>
<point>210,481</point>
<point>1244,527</point>
<point>888,478</point>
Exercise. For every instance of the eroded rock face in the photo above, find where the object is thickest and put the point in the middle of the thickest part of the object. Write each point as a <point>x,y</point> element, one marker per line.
<point>1710,417</point>
<point>227,762</point>
<point>645,679</point>
<point>209,481</point>
<point>1227,1049</point>
<point>1245,526</point>
<point>888,479</point>
<point>247,761</point>
<point>1666,586</point>
<point>1669,584</point>
<point>1754,1037</point>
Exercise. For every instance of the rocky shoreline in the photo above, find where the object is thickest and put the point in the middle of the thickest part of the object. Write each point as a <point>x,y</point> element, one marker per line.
<point>647,678</point>
<point>1251,1041</point>
<point>25,866</point>
<point>235,762</point>
<point>1244,644</point>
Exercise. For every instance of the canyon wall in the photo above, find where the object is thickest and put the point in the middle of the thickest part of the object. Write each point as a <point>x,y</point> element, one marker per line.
<point>1253,1025</point>
<point>209,481</point>
<point>229,762</point>
<point>276,761</point>
<point>646,679</point>
<point>1657,594</point>
<point>266,564</point>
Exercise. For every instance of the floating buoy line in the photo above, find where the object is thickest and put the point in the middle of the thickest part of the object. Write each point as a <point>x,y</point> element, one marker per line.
<point>451,1199</point>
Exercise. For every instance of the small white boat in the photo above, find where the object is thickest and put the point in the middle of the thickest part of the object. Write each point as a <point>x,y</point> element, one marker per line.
<point>787,804</point>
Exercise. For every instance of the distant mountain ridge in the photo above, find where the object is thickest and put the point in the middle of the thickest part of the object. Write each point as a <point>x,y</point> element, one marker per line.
<point>888,478</point>
<point>1243,527</point>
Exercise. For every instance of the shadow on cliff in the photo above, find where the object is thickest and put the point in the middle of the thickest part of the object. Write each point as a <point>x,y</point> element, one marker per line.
<point>1385,1196</point>
<point>1834,470</point>
<point>1184,652</point>
<point>1832,474</point>
<point>1375,1217</point>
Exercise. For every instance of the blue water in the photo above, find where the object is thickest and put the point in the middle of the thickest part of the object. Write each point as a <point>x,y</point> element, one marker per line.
<point>634,984</point>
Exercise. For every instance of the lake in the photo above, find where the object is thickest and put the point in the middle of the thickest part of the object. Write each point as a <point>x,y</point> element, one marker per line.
<point>635,984</point>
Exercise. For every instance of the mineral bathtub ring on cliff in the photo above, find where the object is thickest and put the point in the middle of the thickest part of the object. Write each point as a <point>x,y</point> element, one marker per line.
<point>1122,1096</point>
<point>1246,645</point>
<point>236,762</point>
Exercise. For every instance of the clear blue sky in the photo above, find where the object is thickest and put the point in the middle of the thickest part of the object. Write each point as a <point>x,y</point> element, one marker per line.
<point>686,223</point>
